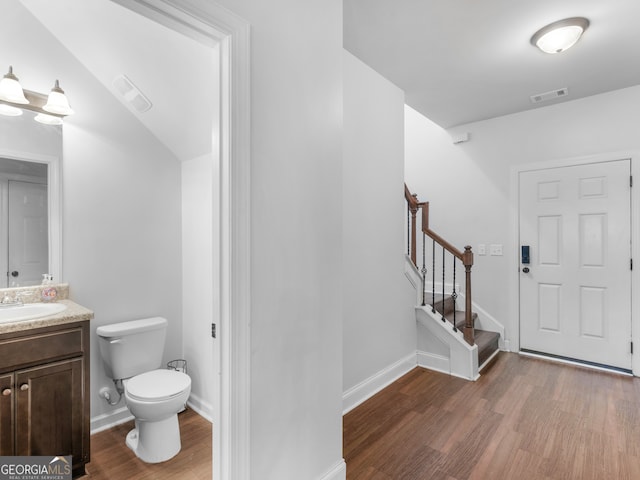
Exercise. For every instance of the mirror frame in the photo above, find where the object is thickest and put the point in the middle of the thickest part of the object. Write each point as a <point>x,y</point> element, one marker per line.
<point>54,206</point>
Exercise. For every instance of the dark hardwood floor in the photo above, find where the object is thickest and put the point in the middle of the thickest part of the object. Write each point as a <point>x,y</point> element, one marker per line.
<point>111,459</point>
<point>523,419</point>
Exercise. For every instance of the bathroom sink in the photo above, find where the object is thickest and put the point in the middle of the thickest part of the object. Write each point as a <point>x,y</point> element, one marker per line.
<point>29,311</point>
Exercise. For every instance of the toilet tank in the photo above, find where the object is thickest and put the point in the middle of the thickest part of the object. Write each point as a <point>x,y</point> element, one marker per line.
<point>131,348</point>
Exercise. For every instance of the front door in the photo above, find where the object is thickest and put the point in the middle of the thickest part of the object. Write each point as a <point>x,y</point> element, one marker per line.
<point>575,292</point>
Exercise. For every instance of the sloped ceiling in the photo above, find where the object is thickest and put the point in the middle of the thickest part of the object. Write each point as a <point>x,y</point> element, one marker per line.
<point>176,73</point>
<point>460,61</point>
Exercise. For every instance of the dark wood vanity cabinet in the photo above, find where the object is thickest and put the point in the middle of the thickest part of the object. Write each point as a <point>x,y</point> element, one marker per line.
<point>44,386</point>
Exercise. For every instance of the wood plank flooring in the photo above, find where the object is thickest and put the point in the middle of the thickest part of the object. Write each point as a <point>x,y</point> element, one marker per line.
<point>111,459</point>
<point>523,419</point>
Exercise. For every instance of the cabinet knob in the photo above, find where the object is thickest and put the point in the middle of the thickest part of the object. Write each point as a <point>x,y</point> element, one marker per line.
<point>24,386</point>
<point>6,392</point>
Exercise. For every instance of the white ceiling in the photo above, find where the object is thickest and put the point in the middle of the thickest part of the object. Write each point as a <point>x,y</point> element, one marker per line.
<point>460,61</point>
<point>173,71</point>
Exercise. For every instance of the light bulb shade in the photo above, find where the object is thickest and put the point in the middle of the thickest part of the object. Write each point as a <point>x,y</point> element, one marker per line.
<point>10,111</point>
<point>561,35</point>
<point>48,119</point>
<point>10,89</point>
<point>57,102</point>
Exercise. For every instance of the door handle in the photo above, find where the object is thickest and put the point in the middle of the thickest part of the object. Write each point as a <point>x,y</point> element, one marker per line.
<point>525,270</point>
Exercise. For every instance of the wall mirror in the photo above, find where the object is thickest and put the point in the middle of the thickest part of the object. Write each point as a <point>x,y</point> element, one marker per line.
<point>30,201</point>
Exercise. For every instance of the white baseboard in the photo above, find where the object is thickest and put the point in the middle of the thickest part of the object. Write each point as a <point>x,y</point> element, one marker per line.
<point>432,361</point>
<point>339,472</point>
<point>372,385</point>
<point>108,420</point>
<point>202,408</point>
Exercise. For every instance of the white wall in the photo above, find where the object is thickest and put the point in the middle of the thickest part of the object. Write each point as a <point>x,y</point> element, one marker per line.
<point>198,278</point>
<point>379,325</point>
<point>469,184</point>
<point>296,237</point>
<point>121,195</point>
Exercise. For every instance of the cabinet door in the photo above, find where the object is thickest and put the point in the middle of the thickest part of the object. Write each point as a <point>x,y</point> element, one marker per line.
<point>49,410</point>
<point>7,394</point>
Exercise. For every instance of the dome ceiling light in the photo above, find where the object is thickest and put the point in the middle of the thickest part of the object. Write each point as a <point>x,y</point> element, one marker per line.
<point>561,35</point>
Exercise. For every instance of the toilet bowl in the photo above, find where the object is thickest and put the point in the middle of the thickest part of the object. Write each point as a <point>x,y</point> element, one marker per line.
<point>132,353</point>
<point>154,398</point>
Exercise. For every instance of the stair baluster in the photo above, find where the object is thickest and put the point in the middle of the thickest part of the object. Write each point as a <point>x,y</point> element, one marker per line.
<point>433,279</point>
<point>454,295</point>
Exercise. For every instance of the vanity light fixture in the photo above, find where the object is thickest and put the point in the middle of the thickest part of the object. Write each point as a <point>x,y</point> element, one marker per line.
<point>561,35</point>
<point>11,90</point>
<point>57,101</point>
<point>50,109</point>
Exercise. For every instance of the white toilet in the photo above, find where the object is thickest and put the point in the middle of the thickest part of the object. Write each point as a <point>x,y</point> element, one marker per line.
<point>132,352</point>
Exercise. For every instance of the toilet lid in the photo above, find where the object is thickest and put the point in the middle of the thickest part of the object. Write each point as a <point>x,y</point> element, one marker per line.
<point>158,384</point>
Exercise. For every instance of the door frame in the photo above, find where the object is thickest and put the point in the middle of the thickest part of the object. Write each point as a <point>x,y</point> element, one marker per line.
<point>513,293</point>
<point>231,222</point>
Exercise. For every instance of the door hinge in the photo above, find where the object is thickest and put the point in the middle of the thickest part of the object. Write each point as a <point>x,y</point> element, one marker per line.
<point>213,330</point>
<point>631,180</point>
<point>631,348</point>
<point>631,263</point>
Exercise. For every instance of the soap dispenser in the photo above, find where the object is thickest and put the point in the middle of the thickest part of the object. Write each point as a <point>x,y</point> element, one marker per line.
<point>49,292</point>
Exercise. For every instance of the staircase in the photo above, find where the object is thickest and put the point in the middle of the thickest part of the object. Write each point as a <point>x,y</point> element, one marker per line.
<point>487,342</point>
<point>455,341</point>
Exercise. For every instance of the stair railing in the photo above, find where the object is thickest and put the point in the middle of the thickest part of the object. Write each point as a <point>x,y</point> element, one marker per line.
<point>465,257</point>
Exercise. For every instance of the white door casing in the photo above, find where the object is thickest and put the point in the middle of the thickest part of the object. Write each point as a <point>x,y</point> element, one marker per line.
<point>575,301</point>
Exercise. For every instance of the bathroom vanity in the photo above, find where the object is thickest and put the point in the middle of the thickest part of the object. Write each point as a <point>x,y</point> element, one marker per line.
<point>44,386</point>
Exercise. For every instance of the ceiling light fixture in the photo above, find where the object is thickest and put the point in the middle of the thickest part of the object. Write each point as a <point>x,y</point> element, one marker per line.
<point>561,35</point>
<point>50,109</point>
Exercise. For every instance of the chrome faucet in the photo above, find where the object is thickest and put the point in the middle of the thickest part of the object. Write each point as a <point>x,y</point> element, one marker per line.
<point>7,301</point>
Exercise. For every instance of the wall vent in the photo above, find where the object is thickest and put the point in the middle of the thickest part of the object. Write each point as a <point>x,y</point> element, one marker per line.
<point>546,96</point>
<point>131,94</point>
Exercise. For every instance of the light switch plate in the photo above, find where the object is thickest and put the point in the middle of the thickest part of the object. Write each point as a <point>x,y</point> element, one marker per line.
<point>496,250</point>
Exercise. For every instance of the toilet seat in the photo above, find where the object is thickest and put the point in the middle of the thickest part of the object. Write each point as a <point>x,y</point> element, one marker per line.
<point>157,385</point>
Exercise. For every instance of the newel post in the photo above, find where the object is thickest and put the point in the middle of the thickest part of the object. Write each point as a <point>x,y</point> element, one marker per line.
<point>467,260</point>
<point>413,208</point>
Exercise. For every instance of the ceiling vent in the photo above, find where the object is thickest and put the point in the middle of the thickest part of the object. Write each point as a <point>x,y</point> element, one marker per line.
<point>552,95</point>
<point>131,94</point>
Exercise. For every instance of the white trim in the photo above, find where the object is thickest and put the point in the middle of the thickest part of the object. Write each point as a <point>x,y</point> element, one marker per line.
<point>433,361</point>
<point>372,385</point>
<point>231,407</point>
<point>54,186</point>
<point>201,407</point>
<point>339,472</point>
<point>110,420</point>
<point>513,293</point>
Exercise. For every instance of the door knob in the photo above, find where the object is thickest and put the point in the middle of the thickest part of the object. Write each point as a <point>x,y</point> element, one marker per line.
<point>525,270</point>
<point>15,273</point>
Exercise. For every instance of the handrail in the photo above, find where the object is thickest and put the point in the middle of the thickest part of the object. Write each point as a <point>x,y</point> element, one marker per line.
<point>465,257</point>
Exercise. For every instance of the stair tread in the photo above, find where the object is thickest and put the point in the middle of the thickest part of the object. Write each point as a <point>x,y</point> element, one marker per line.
<point>487,343</point>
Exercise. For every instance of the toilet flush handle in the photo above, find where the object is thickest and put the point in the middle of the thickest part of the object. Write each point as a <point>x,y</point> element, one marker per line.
<point>115,340</point>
